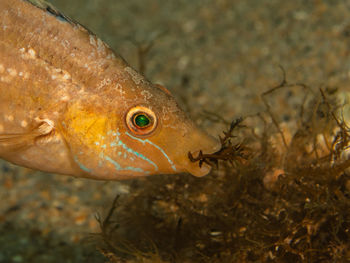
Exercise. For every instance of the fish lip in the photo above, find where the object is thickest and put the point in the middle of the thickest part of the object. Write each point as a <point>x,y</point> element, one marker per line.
<point>211,150</point>
<point>198,171</point>
<point>193,167</point>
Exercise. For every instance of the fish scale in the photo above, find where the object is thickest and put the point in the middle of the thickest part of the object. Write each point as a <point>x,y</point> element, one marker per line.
<point>65,95</point>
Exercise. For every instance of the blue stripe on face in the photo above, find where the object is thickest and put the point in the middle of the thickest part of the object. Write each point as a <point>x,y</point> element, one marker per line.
<point>125,147</point>
<point>155,145</point>
<point>119,168</point>
<point>119,142</point>
<point>83,167</point>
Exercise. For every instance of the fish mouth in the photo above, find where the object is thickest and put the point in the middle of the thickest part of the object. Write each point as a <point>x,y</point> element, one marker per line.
<point>194,167</point>
<point>198,170</point>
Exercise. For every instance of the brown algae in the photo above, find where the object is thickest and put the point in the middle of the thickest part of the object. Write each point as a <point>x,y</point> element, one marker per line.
<point>278,202</point>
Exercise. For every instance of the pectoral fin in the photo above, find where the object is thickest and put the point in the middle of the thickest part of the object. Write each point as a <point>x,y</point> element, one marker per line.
<point>16,141</point>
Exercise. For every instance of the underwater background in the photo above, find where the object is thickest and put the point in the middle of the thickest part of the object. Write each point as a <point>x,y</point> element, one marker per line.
<point>217,57</point>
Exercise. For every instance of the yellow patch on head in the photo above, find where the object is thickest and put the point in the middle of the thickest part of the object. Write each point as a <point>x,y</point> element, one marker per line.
<point>89,126</point>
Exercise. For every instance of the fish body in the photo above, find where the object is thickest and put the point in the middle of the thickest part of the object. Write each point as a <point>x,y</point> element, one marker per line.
<point>70,105</point>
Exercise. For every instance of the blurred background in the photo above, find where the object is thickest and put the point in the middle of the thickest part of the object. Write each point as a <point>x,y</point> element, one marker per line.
<point>213,55</point>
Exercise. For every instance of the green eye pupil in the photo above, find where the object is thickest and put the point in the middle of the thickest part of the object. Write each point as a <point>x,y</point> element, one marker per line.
<point>142,121</point>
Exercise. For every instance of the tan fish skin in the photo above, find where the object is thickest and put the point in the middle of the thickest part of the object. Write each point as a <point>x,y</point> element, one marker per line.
<point>70,105</point>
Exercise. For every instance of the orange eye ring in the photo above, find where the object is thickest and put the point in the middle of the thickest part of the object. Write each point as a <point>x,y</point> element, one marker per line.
<point>141,120</point>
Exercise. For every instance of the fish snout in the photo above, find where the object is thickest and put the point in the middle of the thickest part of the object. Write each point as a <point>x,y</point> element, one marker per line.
<point>198,142</point>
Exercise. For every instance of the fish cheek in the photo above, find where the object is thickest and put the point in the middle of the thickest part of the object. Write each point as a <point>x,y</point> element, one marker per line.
<point>103,153</point>
<point>153,151</point>
<point>130,154</point>
<point>83,130</point>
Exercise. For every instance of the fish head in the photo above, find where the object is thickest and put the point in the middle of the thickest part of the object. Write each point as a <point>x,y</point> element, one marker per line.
<point>145,133</point>
<point>161,131</point>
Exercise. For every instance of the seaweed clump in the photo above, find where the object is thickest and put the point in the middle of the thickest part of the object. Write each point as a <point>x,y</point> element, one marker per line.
<point>274,198</point>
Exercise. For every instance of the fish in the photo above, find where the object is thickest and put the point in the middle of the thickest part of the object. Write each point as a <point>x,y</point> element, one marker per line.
<point>70,105</point>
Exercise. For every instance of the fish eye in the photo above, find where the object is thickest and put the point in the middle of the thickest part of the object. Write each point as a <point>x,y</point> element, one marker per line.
<point>141,120</point>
